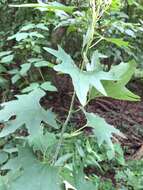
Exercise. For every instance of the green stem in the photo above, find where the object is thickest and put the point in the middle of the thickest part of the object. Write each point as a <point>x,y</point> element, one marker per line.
<point>63,129</point>
<point>96,42</point>
<point>69,115</point>
<point>95,17</point>
<point>79,129</point>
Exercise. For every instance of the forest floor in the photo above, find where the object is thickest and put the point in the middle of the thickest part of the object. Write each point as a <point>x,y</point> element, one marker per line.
<point>124,115</point>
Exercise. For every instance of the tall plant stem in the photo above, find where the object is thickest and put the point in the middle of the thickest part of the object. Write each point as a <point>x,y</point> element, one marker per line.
<point>95,18</point>
<point>73,98</point>
<point>63,129</point>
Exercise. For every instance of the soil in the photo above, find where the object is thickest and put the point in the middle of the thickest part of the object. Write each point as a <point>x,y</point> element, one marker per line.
<point>124,115</point>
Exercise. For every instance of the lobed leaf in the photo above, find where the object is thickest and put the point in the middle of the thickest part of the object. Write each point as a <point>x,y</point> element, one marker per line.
<point>34,174</point>
<point>118,89</point>
<point>28,111</point>
<point>84,80</point>
<point>101,129</point>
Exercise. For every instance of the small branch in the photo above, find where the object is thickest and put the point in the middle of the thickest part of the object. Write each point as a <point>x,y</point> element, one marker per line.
<point>79,129</point>
<point>63,129</point>
<point>96,42</point>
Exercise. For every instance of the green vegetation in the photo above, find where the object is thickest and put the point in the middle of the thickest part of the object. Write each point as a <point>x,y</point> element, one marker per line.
<point>97,46</point>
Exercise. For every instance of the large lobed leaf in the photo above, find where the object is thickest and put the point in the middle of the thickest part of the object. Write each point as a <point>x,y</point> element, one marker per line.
<point>84,80</point>
<point>28,111</point>
<point>110,83</point>
<point>33,175</point>
<point>118,89</point>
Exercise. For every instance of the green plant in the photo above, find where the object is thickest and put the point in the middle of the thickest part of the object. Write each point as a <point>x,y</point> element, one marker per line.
<point>41,152</point>
<point>131,176</point>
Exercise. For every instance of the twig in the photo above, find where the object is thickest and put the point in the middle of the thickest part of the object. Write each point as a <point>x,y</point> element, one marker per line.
<point>63,129</point>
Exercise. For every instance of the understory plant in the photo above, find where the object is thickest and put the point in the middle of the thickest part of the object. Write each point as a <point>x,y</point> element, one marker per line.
<point>40,151</point>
